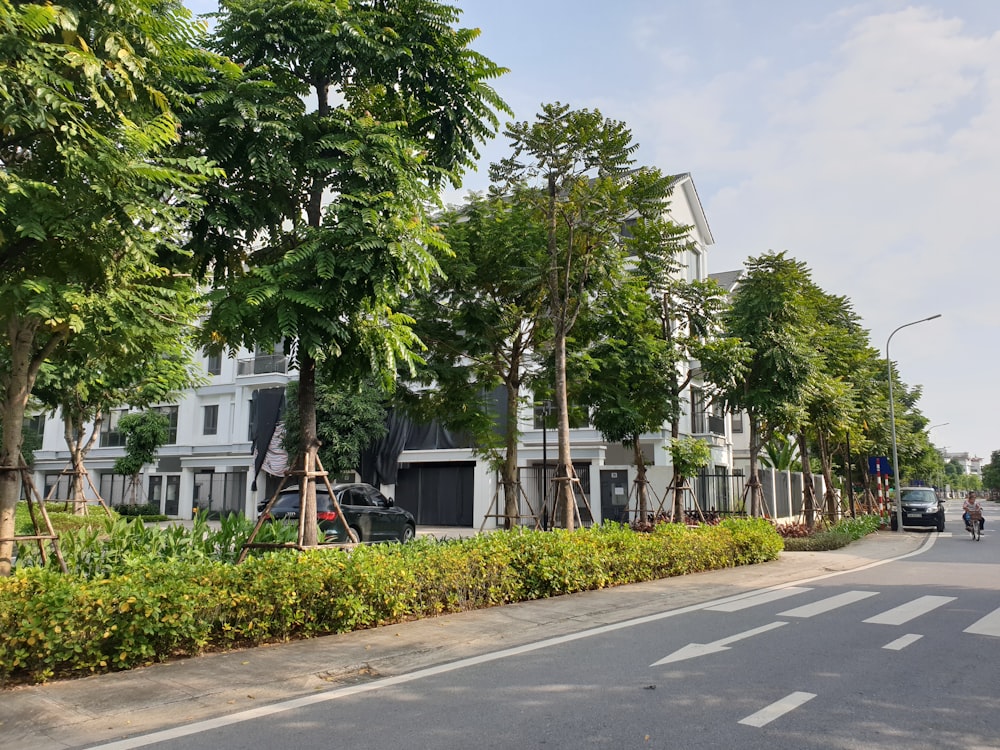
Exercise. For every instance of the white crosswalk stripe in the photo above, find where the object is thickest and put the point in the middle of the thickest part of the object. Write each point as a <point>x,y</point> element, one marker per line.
<point>828,604</point>
<point>757,599</point>
<point>900,643</point>
<point>989,625</point>
<point>906,612</point>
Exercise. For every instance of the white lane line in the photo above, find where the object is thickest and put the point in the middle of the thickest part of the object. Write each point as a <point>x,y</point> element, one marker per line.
<point>989,625</point>
<point>830,603</point>
<point>753,601</point>
<point>906,612</point>
<point>777,709</point>
<point>308,700</point>
<point>900,643</point>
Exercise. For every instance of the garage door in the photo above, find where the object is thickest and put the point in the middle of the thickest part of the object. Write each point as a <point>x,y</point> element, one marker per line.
<point>437,494</point>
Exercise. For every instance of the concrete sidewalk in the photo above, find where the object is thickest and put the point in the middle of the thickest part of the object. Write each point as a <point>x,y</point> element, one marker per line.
<point>88,711</point>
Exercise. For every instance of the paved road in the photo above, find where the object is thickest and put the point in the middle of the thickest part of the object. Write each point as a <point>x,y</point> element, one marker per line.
<point>642,666</point>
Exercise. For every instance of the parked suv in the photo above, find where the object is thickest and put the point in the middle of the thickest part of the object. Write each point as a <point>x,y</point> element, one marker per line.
<point>921,507</point>
<point>373,516</point>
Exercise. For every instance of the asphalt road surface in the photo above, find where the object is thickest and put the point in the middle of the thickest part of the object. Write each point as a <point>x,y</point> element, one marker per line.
<point>903,654</point>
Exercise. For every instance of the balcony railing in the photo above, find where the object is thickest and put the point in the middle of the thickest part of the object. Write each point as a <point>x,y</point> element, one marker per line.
<point>262,365</point>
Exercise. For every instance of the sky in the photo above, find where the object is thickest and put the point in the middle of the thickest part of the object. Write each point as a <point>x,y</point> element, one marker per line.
<point>862,138</point>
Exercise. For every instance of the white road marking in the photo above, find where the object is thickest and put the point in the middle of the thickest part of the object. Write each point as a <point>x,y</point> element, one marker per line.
<point>753,601</point>
<point>777,709</point>
<point>701,649</point>
<point>830,603</point>
<point>331,695</point>
<point>906,612</point>
<point>989,625</point>
<point>900,643</point>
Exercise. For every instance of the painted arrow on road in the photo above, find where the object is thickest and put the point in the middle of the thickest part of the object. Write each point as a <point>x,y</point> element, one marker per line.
<point>702,649</point>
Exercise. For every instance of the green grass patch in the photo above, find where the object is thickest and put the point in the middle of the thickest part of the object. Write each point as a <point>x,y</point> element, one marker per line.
<point>62,518</point>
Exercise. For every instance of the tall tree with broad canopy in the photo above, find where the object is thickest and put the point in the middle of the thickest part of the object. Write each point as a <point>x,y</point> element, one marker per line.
<point>631,375</point>
<point>689,315</point>
<point>91,189</point>
<point>347,119</point>
<point>575,167</point>
<point>832,403</point>
<point>768,315</point>
<point>483,323</point>
<point>991,472</point>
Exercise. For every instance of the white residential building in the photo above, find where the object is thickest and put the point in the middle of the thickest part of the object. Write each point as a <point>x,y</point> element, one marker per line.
<point>209,462</point>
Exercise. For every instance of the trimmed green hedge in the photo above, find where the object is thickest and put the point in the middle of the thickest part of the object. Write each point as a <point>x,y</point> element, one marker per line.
<point>153,609</point>
<point>818,542</point>
<point>842,533</point>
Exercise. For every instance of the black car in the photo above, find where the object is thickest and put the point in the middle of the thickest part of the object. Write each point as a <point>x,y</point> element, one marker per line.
<point>373,516</point>
<point>921,507</point>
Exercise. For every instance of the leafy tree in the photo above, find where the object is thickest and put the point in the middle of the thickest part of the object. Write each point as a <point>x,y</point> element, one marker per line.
<point>349,417</point>
<point>689,315</point>
<point>841,347</point>
<point>767,316</point>
<point>346,119</point>
<point>576,169</point>
<point>91,187</point>
<point>688,455</point>
<point>780,453</point>
<point>991,472</point>
<point>632,377</point>
<point>137,350</point>
<point>144,433</point>
<point>482,321</point>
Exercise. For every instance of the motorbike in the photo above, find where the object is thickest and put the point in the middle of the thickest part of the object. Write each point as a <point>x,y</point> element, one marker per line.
<point>972,519</point>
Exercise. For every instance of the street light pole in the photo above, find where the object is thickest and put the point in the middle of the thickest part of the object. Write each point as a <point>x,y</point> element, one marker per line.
<point>892,420</point>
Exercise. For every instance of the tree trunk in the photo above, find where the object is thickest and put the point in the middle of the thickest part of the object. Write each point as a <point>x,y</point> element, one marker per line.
<point>826,462</point>
<point>16,391</point>
<point>756,492</point>
<point>866,482</point>
<point>677,481</point>
<point>78,450</point>
<point>808,487</point>
<point>640,479</point>
<point>308,536</point>
<point>565,502</point>
<point>509,474</point>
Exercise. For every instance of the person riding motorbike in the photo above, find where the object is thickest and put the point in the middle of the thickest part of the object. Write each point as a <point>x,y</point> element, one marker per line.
<point>972,504</point>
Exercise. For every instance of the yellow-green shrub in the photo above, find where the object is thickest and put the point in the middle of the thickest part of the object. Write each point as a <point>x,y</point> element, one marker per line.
<point>53,624</point>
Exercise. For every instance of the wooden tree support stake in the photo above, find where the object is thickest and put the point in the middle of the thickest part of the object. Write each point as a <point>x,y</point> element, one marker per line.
<point>308,476</point>
<point>33,496</point>
<point>494,506</point>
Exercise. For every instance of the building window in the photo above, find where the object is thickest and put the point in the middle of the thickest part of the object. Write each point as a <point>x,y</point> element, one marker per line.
<point>170,412</point>
<point>214,364</point>
<point>699,421</point>
<point>110,436</point>
<point>35,425</point>
<point>210,425</point>
<point>114,489</point>
<point>737,422</point>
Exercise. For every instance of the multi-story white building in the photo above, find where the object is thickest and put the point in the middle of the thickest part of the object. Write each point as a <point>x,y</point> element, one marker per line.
<point>970,464</point>
<point>209,460</point>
